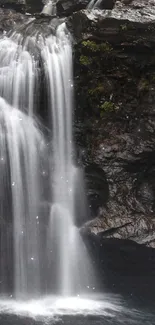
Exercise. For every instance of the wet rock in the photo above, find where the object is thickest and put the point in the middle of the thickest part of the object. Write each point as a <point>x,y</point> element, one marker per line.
<point>67,7</point>
<point>10,19</point>
<point>120,23</point>
<point>18,5</point>
<point>34,6</point>
<point>97,187</point>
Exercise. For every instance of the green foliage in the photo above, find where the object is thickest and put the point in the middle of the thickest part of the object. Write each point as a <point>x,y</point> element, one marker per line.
<point>85,60</point>
<point>107,107</point>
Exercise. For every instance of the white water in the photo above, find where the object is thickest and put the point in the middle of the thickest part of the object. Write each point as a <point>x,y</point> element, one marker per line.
<point>49,7</point>
<point>74,268</point>
<point>20,144</point>
<point>18,72</point>
<point>55,306</point>
<point>94,4</point>
<point>49,255</point>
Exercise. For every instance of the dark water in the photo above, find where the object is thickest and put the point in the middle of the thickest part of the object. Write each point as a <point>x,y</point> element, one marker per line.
<point>102,310</point>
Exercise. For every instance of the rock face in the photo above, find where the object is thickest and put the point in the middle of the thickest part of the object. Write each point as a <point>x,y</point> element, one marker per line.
<point>115,95</point>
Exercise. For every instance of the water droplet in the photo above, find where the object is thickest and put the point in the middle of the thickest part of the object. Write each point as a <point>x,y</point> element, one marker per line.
<point>32,258</point>
<point>37,217</point>
<point>11,296</point>
<point>37,222</point>
<point>93,288</point>
<point>88,287</point>
<point>13,183</point>
<point>22,232</point>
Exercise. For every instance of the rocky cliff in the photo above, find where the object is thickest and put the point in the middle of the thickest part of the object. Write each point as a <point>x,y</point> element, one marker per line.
<point>114,55</point>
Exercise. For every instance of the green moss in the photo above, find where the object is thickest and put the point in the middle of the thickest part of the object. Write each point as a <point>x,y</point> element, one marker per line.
<point>91,45</point>
<point>107,107</point>
<point>97,90</point>
<point>106,47</point>
<point>124,27</point>
<point>143,85</point>
<point>94,47</point>
<point>85,60</point>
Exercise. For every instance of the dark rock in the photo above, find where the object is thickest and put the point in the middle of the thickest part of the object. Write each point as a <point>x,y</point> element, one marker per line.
<point>123,266</point>
<point>114,68</point>
<point>18,5</point>
<point>97,187</point>
<point>34,6</point>
<point>67,7</point>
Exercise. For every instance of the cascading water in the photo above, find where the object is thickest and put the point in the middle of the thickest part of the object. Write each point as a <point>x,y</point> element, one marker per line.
<point>49,7</point>
<point>20,143</point>
<point>48,250</point>
<point>18,72</point>
<point>73,270</point>
<point>94,4</point>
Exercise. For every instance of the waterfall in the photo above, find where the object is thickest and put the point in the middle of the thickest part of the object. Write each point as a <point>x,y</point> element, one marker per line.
<point>73,271</point>
<point>48,252</point>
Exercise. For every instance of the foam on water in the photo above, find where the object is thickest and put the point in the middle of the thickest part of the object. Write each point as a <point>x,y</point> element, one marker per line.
<point>52,306</point>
